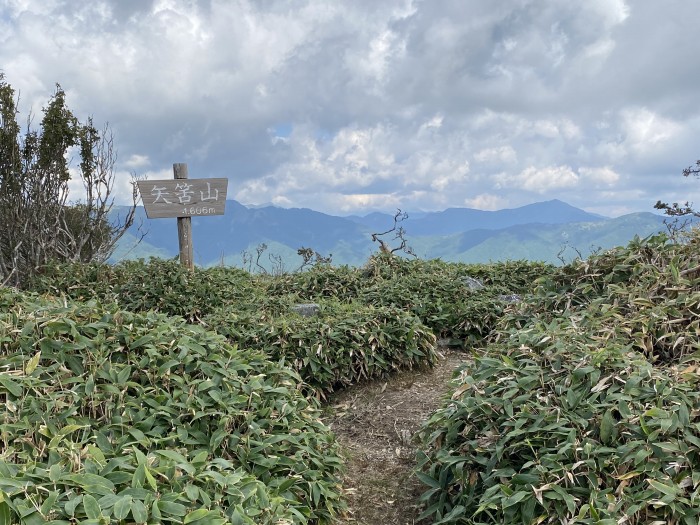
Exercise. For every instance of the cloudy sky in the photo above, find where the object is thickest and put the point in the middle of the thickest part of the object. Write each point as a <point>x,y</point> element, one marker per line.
<point>350,106</point>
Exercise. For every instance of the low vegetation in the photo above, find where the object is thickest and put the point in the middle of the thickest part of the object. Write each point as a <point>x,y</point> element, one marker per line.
<point>338,346</point>
<point>143,393</point>
<point>585,406</point>
<point>117,417</point>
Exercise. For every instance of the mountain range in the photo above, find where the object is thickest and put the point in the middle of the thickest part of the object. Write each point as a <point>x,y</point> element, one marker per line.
<point>550,231</point>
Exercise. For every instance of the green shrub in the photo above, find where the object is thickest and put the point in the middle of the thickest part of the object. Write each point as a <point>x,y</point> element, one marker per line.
<point>159,285</point>
<point>562,426</point>
<point>341,345</point>
<point>439,292</point>
<point>320,282</point>
<point>648,290</point>
<point>446,306</point>
<point>114,417</point>
<point>585,408</point>
<point>433,290</point>
<point>517,277</point>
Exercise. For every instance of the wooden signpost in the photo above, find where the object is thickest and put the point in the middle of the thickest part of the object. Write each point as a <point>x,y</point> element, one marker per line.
<point>183,198</point>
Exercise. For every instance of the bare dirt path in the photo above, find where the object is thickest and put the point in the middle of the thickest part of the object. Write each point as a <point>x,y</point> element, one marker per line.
<point>374,422</point>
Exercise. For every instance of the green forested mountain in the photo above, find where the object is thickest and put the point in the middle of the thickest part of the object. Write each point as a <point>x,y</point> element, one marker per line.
<point>539,242</point>
<point>548,231</point>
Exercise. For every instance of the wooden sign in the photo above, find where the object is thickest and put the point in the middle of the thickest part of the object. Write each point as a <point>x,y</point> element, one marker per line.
<point>183,197</point>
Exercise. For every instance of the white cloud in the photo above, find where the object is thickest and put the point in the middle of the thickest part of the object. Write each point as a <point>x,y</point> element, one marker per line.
<point>282,201</point>
<point>432,124</point>
<point>645,129</point>
<point>614,12</point>
<point>516,126</point>
<point>390,104</point>
<point>137,161</point>
<point>541,180</point>
<point>486,201</point>
<point>599,176</point>
<point>361,161</point>
<point>355,202</point>
<point>599,50</point>
<point>499,155</point>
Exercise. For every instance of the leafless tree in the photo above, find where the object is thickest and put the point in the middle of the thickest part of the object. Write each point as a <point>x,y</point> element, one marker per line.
<point>399,235</point>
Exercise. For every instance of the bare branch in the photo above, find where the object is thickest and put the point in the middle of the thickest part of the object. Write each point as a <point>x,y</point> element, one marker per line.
<point>311,258</point>
<point>692,170</point>
<point>400,235</point>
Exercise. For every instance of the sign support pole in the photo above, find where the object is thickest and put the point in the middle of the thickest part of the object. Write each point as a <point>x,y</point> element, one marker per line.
<point>184,226</point>
<point>183,198</point>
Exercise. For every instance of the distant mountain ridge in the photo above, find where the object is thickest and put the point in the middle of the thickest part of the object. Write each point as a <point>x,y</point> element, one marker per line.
<point>455,220</point>
<point>540,231</point>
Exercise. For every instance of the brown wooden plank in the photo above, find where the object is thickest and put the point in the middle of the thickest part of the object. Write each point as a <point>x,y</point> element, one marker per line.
<point>183,197</point>
<point>184,224</point>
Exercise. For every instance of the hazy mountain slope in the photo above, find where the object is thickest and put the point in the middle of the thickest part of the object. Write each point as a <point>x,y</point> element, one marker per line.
<point>551,226</point>
<point>240,228</point>
<point>548,243</point>
<point>457,220</point>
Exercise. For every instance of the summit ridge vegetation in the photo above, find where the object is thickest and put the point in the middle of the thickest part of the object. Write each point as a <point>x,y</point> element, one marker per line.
<point>144,393</point>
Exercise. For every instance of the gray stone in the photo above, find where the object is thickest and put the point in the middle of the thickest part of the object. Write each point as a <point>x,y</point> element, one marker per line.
<point>306,309</point>
<point>472,284</point>
<point>511,298</point>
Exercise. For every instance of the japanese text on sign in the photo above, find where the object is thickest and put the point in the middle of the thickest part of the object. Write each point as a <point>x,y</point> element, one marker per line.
<point>183,197</point>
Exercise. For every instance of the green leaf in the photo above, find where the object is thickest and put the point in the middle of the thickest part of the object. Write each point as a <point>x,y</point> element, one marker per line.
<point>525,479</point>
<point>123,375</point>
<point>72,504</point>
<point>5,514</point>
<point>92,507</point>
<point>90,385</point>
<point>103,442</point>
<point>607,427</point>
<point>196,515</point>
<point>33,363</point>
<point>517,497</point>
<point>55,472</point>
<point>12,387</point>
<point>200,459</point>
<point>568,498</point>
<point>657,413</point>
<point>92,483</point>
<point>34,518</point>
<point>122,507</point>
<point>155,511</point>
<point>48,503</point>
<point>139,478</point>
<point>668,490</point>
<point>192,492</point>
<point>150,479</point>
<point>139,512</point>
<point>426,479</point>
<point>171,454</point>
<point>172,508</point>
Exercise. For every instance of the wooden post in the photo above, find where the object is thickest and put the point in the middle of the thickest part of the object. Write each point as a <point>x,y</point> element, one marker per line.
<point>184,226</point>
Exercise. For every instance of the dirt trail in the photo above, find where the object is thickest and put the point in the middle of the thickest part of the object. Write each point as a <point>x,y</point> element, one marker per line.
<point>374,422</point>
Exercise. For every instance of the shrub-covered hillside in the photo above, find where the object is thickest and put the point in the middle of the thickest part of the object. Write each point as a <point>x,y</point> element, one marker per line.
<point>111,416</point>
<point>142,393</point>
<point>585,406</point>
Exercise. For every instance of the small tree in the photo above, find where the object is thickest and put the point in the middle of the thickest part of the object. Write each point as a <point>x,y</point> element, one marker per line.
<point>40,222</point>
<point>399,235</point>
